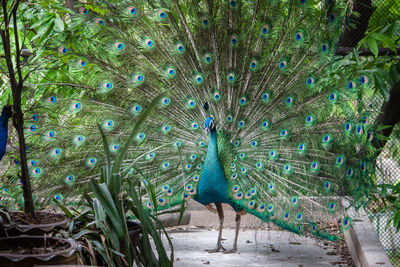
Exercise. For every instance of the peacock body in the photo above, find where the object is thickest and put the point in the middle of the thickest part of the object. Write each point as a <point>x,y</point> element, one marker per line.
<point>5,116</point>
<point>288,129</point>
<point>213,184</point>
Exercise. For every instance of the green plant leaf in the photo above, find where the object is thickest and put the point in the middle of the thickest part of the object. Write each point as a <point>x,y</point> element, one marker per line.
<point>83,233</point>
<point>106,148</point>
<point>64,209</point>
<point>386,40</point>
<point>59,24</point>
<point>103,195</point>
<point>98,211</point>
<point>373,46</point>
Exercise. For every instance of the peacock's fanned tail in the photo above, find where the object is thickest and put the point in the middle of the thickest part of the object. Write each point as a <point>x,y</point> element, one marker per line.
<point>294,132</point>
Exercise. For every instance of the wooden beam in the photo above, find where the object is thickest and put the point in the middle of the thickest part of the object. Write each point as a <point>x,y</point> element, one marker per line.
<point>342,51</point>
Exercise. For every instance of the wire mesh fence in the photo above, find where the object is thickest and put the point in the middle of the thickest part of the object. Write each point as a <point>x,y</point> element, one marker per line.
<point>370,15</point>
<point>386,12</point>
<point>387,172</point>
<point>378,14</point>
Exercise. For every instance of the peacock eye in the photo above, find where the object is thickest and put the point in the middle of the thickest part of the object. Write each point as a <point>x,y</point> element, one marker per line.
<point>217,96</point>
<point>243,101</point>
<point>332,17</point>
<point>351,85</point>
<point>299,36</point>
<point>180,48</point>
<point>205,22</point>
<point>149,43</point>
<point>265,30</point>
<point>283,64</point>
<point>310,80</point>
<point>234,40</point>
<point>52,99</point>
<point>198,79</point>
<point>253,65</point>
<point>99,22</point>
<point>138,79</point>
<point>231,77</point>
<point>82,63</point>
<point>132,11</point>
<point>83,11</point>
<point>171,72</point>
<point>165,101</point>
<point>119,46</point>
<point>364,80</point>
<point>195,126</point>
<point>325,47</point>
<point>162,14</point>
<point>207,58</point>
<point>63,50</point>
<point>191,103</point>
<point>333,97</point>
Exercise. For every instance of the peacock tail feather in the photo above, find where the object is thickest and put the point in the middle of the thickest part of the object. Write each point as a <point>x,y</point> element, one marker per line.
<point>293,129</point>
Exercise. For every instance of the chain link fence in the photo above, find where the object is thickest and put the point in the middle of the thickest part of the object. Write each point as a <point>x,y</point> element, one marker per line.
<point>384,13</point>
<point>387,12</point>
<point>387,172</point>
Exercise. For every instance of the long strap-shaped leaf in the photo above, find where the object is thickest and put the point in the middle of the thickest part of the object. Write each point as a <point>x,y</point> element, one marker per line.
<point>103,195</point>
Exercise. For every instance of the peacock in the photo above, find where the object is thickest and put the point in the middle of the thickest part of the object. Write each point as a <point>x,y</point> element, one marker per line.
<point>255,111</point>
<point>6,114</point>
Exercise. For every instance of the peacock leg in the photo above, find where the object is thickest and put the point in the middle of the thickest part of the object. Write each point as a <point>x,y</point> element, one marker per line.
<point>219,247</point>
<point>237,220</point>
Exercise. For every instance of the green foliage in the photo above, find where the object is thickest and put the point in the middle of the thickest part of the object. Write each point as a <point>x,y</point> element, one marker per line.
<point>385,71</point>
<point>390,196</point>
<point>379,37</point>
<point>387,12</point>
<point>105,220</point>
<point>38,22</point>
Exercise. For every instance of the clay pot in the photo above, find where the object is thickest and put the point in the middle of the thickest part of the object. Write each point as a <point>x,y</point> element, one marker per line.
<point>7,229</point>
<point>66,256</point>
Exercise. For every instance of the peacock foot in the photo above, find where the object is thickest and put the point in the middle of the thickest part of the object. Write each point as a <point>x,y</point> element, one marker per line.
<point>234,250</point>
<point>217,249</point>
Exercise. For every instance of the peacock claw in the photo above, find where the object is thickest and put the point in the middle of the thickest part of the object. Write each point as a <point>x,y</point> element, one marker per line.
<point>216,250</point>
<point>231,251</point>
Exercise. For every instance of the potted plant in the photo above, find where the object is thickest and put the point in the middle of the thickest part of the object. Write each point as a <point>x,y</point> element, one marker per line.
<point>103,225</point>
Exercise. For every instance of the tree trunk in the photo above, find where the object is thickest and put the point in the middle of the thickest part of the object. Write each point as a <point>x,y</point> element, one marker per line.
<point>352,36</point>
<point>18,117</point>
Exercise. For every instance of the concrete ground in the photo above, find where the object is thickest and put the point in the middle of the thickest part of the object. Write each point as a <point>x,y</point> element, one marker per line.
<point>256,248</point>
<point>259,244</point>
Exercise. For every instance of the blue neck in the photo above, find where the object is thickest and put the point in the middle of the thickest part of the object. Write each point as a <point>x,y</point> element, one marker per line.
<point>3,134</point>
<point>212,151</point>
<point>4,123</point>
<point>213,184</point>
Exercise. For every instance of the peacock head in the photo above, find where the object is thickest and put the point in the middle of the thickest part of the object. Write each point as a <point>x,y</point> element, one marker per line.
<point>209,125</point>
<point>7,111</point>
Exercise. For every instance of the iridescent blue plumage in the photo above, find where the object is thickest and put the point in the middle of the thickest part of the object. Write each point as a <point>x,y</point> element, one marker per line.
<point>213,184</point>
<point>5,115</point>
